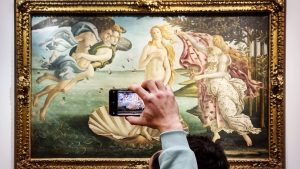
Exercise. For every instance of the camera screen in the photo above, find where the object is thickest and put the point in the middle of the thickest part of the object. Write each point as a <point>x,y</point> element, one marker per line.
<point>129,103</point>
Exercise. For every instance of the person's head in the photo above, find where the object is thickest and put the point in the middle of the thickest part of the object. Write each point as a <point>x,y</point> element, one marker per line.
<point>214,51</point>
<point>161,31</point>
<point>104,26</point>
<point>155,33</point>
<point>105,35</point>
<point>117,30</point>
<point>234,54</point>
<point>153,162</point>
<point>219,42</point>
<point>209,155</point>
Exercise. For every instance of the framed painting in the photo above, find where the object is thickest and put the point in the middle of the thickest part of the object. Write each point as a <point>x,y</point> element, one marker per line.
<point>69,54</point>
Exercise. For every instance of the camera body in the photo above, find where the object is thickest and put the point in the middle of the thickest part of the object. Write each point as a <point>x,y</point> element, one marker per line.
<point>123,102</point>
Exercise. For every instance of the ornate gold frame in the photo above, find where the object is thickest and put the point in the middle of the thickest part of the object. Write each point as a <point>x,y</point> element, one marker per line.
<point>26,8</point>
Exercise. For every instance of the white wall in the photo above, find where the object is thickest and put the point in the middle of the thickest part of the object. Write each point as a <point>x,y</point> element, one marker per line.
<point>7,84</point>
<point>292,85</point>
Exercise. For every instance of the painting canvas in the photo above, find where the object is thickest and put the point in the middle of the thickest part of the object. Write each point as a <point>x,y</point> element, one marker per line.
<point>76,60</point>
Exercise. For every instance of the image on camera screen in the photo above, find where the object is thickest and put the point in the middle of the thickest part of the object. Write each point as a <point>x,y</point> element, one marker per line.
<point>129,103</point>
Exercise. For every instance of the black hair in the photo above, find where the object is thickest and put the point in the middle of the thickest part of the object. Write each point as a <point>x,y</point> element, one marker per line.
<point>209,155</point>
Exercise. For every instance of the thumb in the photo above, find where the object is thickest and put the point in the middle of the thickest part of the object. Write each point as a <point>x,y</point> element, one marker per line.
<point>134,120</point>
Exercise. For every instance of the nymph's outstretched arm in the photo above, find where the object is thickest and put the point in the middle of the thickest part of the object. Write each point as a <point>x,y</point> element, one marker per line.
<point>194,43</point>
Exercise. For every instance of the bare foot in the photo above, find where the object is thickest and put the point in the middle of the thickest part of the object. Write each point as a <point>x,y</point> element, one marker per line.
<point>35,100</point>
<point>216,137</point>
<point>42,114</point>
<point>41,78</point>
<point>247,139</point>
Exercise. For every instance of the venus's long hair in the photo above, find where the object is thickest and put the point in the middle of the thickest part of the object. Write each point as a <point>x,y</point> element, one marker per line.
<point>167,35</point>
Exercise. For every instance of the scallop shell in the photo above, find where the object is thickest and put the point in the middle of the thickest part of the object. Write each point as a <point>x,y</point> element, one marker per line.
<point>118,128</point>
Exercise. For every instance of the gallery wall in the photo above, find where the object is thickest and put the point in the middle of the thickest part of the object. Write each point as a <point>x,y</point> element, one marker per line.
<point>7,85</point>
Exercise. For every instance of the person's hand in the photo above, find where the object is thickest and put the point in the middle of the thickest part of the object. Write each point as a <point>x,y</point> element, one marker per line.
<point>181,33</point>
<point>192,75</point>
<point>195,76</point>
<point>161,110</point>
<point>75,55</point>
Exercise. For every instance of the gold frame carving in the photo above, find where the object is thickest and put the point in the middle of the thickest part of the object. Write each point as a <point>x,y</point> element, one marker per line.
<point>27,8</point>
